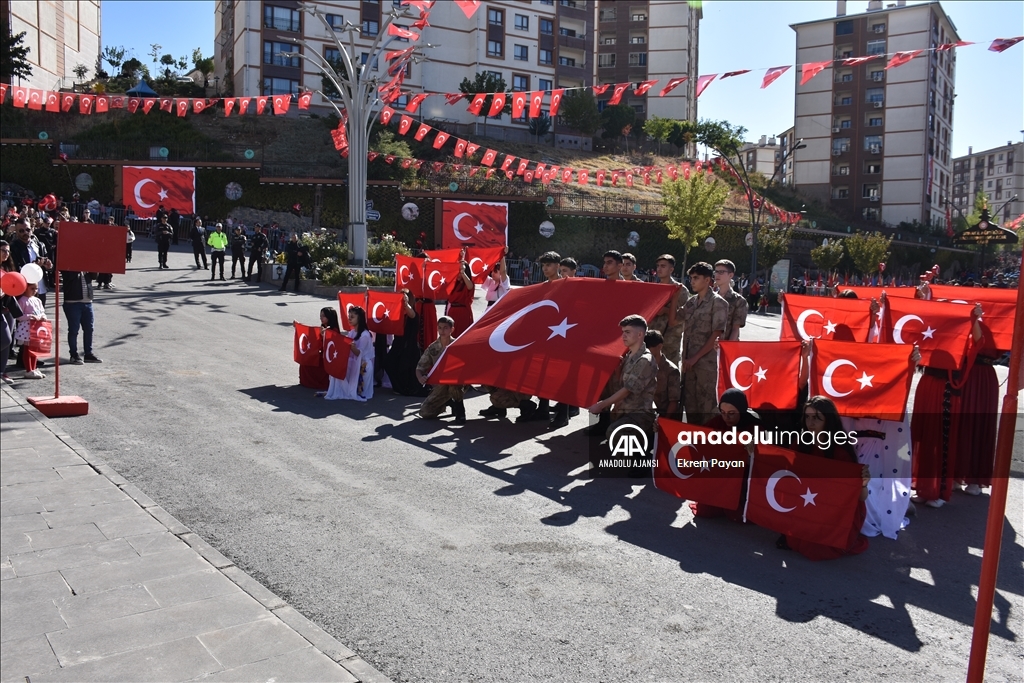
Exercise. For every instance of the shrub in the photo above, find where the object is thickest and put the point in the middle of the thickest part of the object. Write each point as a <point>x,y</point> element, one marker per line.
<point>382,253</point>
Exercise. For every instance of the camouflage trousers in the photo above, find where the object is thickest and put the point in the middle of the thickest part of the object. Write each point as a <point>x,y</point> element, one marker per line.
<point>673,343</point>
<point>435,402</point>
<point>700,390</point>
<point>503,398</point>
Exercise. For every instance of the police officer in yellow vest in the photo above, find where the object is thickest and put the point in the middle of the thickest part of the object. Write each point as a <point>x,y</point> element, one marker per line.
<point>218,242</point>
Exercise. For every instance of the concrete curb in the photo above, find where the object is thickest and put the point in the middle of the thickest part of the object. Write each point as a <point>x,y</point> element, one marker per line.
<point>316,636</point>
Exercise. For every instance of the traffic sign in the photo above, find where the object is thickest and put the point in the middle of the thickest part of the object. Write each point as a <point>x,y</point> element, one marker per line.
<point>373,215</point>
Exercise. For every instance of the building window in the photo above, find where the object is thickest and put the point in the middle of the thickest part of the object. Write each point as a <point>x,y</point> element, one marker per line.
<point>872,168</point>
<point>873,143</point>
<point>281,19</point>
<point>988,184</point>
<point>876,47</point>
<point>870,214</point>
<point>568,61</point>
<point>606,39</point>
<point>875,121</point>
<point>522,22</point>
<point>336,21</point>
<point>544,84</point>
<point>638,108</point>
<point>562,31</point>
<point>841,170</point>
<point>637,58</point>
<point>638,16</point>
<point>546,57</point>
<point>520,53</point>
<point>496,17</point>
<point>844,100</point>
<point>606,60</point>
<point>547,27</point>
<point>520,83</point>
<point>495,48</point>
<point>840,193</point>
<point>370,27</point>
<point>875,94</point>
<point>547,2</point>
<point>844,28</point>
<point>869,191</point>
<point>332,56</point>
<point>280,86</point>
<point>878,28</point>
<point>272,54</point>
<point>365,57</point>
<point>606,14</point>
<point>840,145</point>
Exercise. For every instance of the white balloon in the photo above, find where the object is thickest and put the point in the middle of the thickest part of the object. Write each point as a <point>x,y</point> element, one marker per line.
<point>33,273</point>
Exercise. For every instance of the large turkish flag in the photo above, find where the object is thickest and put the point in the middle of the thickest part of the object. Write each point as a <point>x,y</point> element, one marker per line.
<point>147,187</point>
<point>556,340</point>
<point>474,224</point>
<point>306,349</point>
<point>385,312</point>
<point>863,380</point>
<point>439,279</point>
<point>347,300</point>
<point>999,308</point>
<point>703,476</point>
<point>766,372</point>
<point>336,349</point>
<point>806,496</point>
<point>481,261</point>
<point>804,317</point>
<point>940,329</point>
<point>409,274</point>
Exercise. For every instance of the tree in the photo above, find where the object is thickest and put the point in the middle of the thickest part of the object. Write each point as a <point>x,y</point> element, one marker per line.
<point>579,112</point>
<point>114,56</point>
<point>154,52</point>
<point>485,81</point>
<point>774,245</point>
<point>867,250</point>
<point>617,121</point>
<point>168,63</point>
<point>205,66</point>
<point>80,71</point>
<point>693,207</point>
<point>659,129</point>
<point>13,55</point>
<point>133,68</point>
<point>828,255</point>
<point>540,126</point>
<point>980,202</point>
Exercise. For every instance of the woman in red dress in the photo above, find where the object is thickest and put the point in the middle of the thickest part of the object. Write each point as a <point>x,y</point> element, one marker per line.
<point>979,411</point>
<point>460,303</point>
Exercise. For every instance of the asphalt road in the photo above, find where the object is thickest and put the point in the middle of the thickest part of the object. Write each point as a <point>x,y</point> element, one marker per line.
<point>480,552</point>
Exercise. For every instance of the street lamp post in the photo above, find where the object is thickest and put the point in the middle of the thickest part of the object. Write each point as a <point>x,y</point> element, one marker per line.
<point>756,214</point>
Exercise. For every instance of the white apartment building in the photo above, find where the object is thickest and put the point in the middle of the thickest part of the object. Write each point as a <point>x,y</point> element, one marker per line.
<point>60,35</point>
<point>999,172</point>
<point>878,139</point>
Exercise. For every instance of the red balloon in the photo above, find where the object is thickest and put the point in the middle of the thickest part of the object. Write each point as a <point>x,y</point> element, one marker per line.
<point>13,284</point>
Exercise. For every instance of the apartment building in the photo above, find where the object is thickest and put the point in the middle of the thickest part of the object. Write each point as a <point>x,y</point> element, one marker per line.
<point>650,40</point>
<point>60,35</point>
<point>878,139</point>
<point>787,140</point>
<point>999,172</point>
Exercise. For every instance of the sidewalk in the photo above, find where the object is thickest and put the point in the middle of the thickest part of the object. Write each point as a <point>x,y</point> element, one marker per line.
<point>98,582</point>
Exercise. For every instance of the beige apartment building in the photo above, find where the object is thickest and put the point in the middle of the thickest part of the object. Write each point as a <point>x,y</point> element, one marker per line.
<point>878,139</point>
<point>533,45</point>
<point>60,35</point>
<point>999,172</point>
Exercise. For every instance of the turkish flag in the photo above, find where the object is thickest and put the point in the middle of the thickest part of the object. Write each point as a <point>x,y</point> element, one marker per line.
<point>304,100</point>
<point>556,100</point>
<point>672,85</point>
<point>306,348</point>
<point>243,105</point>
<point>804,317</point>
<point>336,350</point>
<point>488,157</point>
<point>182,105</point>
<point>147,187</point>
<point>229,105</point>
<point>940,329</point>
<point>645,86</point>
<point>518,104</point>
<point>3,92</point>
<point>415,101</point>
<point>66,101</point>
<point>85,103</point>
<point>440,139</point>
<point>117,102</point>
<point>404,124</point>
<point>439,279</point>
<point>443,255</point>
<point>147,104</point>
<point>481,261</point>
<point>474,224</point>
<point>471,148</point>
<point>477,103</point>
<point>521,168</point>
<point>863,380</point>
<point>691,471</point>
<point>497,104</point>
<point>282,104</point>
<point>766,372</point>
<point>52,102</point>
<point>422,131</point>
<point>91,248</point>
<point>772,75</point>
<point>199,105</point>
<point>36,99</point>
<point>556,340</point>
<point>601,89</point>
<point>460,148</point>
<point>261,105</point>
<point>805,496</point>
<point>347,300</point>
<point>385,313</point>
<point>583,177</point>
<point>468,7</point>
<point>620,88</point>
<point>506,163</point>
<point>999,308</point>
<point>409,274</point>
<point>167,104</point>
<point>20,95</point>
<point>40,338</point>
<point>536,100</point>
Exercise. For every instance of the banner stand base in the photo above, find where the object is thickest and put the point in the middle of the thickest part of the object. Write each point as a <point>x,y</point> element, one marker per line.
<point>61,406</point>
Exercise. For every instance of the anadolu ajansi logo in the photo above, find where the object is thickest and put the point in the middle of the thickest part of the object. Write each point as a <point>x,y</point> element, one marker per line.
<point>628,441</point>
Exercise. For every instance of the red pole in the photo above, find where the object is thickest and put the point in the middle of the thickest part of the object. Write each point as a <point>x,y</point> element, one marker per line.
<point>997,502</point>
<point>56,331</point>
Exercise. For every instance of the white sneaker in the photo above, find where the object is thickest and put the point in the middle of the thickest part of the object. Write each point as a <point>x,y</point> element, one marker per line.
<point>973,490</point>
<point>935,503</point>
<point>33,374</point>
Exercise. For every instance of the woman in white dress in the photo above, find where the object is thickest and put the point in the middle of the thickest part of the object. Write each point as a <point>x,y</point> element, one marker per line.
<point>358,382</point>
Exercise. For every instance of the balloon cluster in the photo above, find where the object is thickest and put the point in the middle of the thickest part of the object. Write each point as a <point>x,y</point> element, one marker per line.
<point>15,284</point>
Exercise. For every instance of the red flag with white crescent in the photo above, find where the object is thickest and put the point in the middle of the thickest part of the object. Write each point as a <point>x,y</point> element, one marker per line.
<point>439,279</point>
<point>600,89</point>
<point>305,99</point>
<point>556,100</point>
<point>703,82</point>
<point>147,187</point>
<point>243,105</point>
<point>422,131</point>
<point>643,87</point>
<point>692,471</point>
<point>481,261</point>
<point>409,274</point>
<point>521,168</point>
<point>812,69</point>
<point>477,103</point>
<point>940,329</point>
<point>347,300</point>
<point>475,224</point>
<point>281,104</point>
<point>536,100</point>
<point>414,102</point>
<point>67,101</point>
<point>518,104</point>
<point>507,162</point>
<point>385,312</point>
<point>198,105</point>
<point>620,88</point>
<point>583,177</point>
<point>261,105</point>
<point>497,104</point>
<point>20,96</point>
<point>229,105</point>
<point>550,340</point>
<point>999,308</point>
<point>36,99</point>
<point>863,380</point>
<point>306,347</point>
<point>471,149</point>
<point>85,103</point>
<point>147,104</point>
<point>772,75</point>
<point>440,139</point>
<point>404,124</point>
<point>806,317</point>
<point>468,7</point>
<point>672,85</point>
<point>808,497</point>
<point>489,156</point>
<point>452,255</point>
<point>167,104</point>
<point>337,347</point>
<point>460,148</point>
<point>766,372</point>
<point>182,105</point>
<point>53,102</point>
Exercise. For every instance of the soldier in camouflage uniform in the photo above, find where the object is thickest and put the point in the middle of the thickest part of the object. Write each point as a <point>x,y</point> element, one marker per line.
<point>724,272</point>
<point>441,395</point>
<point>666,322</point>
<point>704,316</point>
<point>666,395</point>
<point>631,388</point>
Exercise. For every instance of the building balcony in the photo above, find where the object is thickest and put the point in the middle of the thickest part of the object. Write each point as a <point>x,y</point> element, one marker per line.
<point>573,42</point>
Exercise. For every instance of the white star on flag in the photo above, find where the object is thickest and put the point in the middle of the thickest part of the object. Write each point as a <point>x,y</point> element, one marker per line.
<point>865,380</point>
<point>561,328</point>
<point>761,374</point>
<point>809,498</point>
<point>163,194</point>
<point>479,227</point>
<point>830,327</point>
<point>927,334</point>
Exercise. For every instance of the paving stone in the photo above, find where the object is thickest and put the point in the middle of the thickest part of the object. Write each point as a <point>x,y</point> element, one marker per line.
<point>93,513</point>
<point>299,666</point>
<point>27,476</point>
<point>75,471</point>
<point>169,522</point>
<point>12,508</point>
<point>76,645</point>
<point>55,489</point>
<point>26,591</point>
<point>21,622</point>
<point>40,456</point>
<point>134,525</point>
<point>112,604</point>
<point>253,588</point>
<point>21,523</point>
<point>69,535</point>
<point>7,570</point>
<point>27,656</point>
<point>178,660</point>
<point>136,570</point>
<point>70,557</point>
<point>147,544</point>
<point>111,474</point>
<point>211,554</point>
<point>361,669</point>
<point>252,642</point>
<point>13,543</point>
<point>192,587</point>
<point>83,498</point>
<point>320,639</point>
<point>138,496</point>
